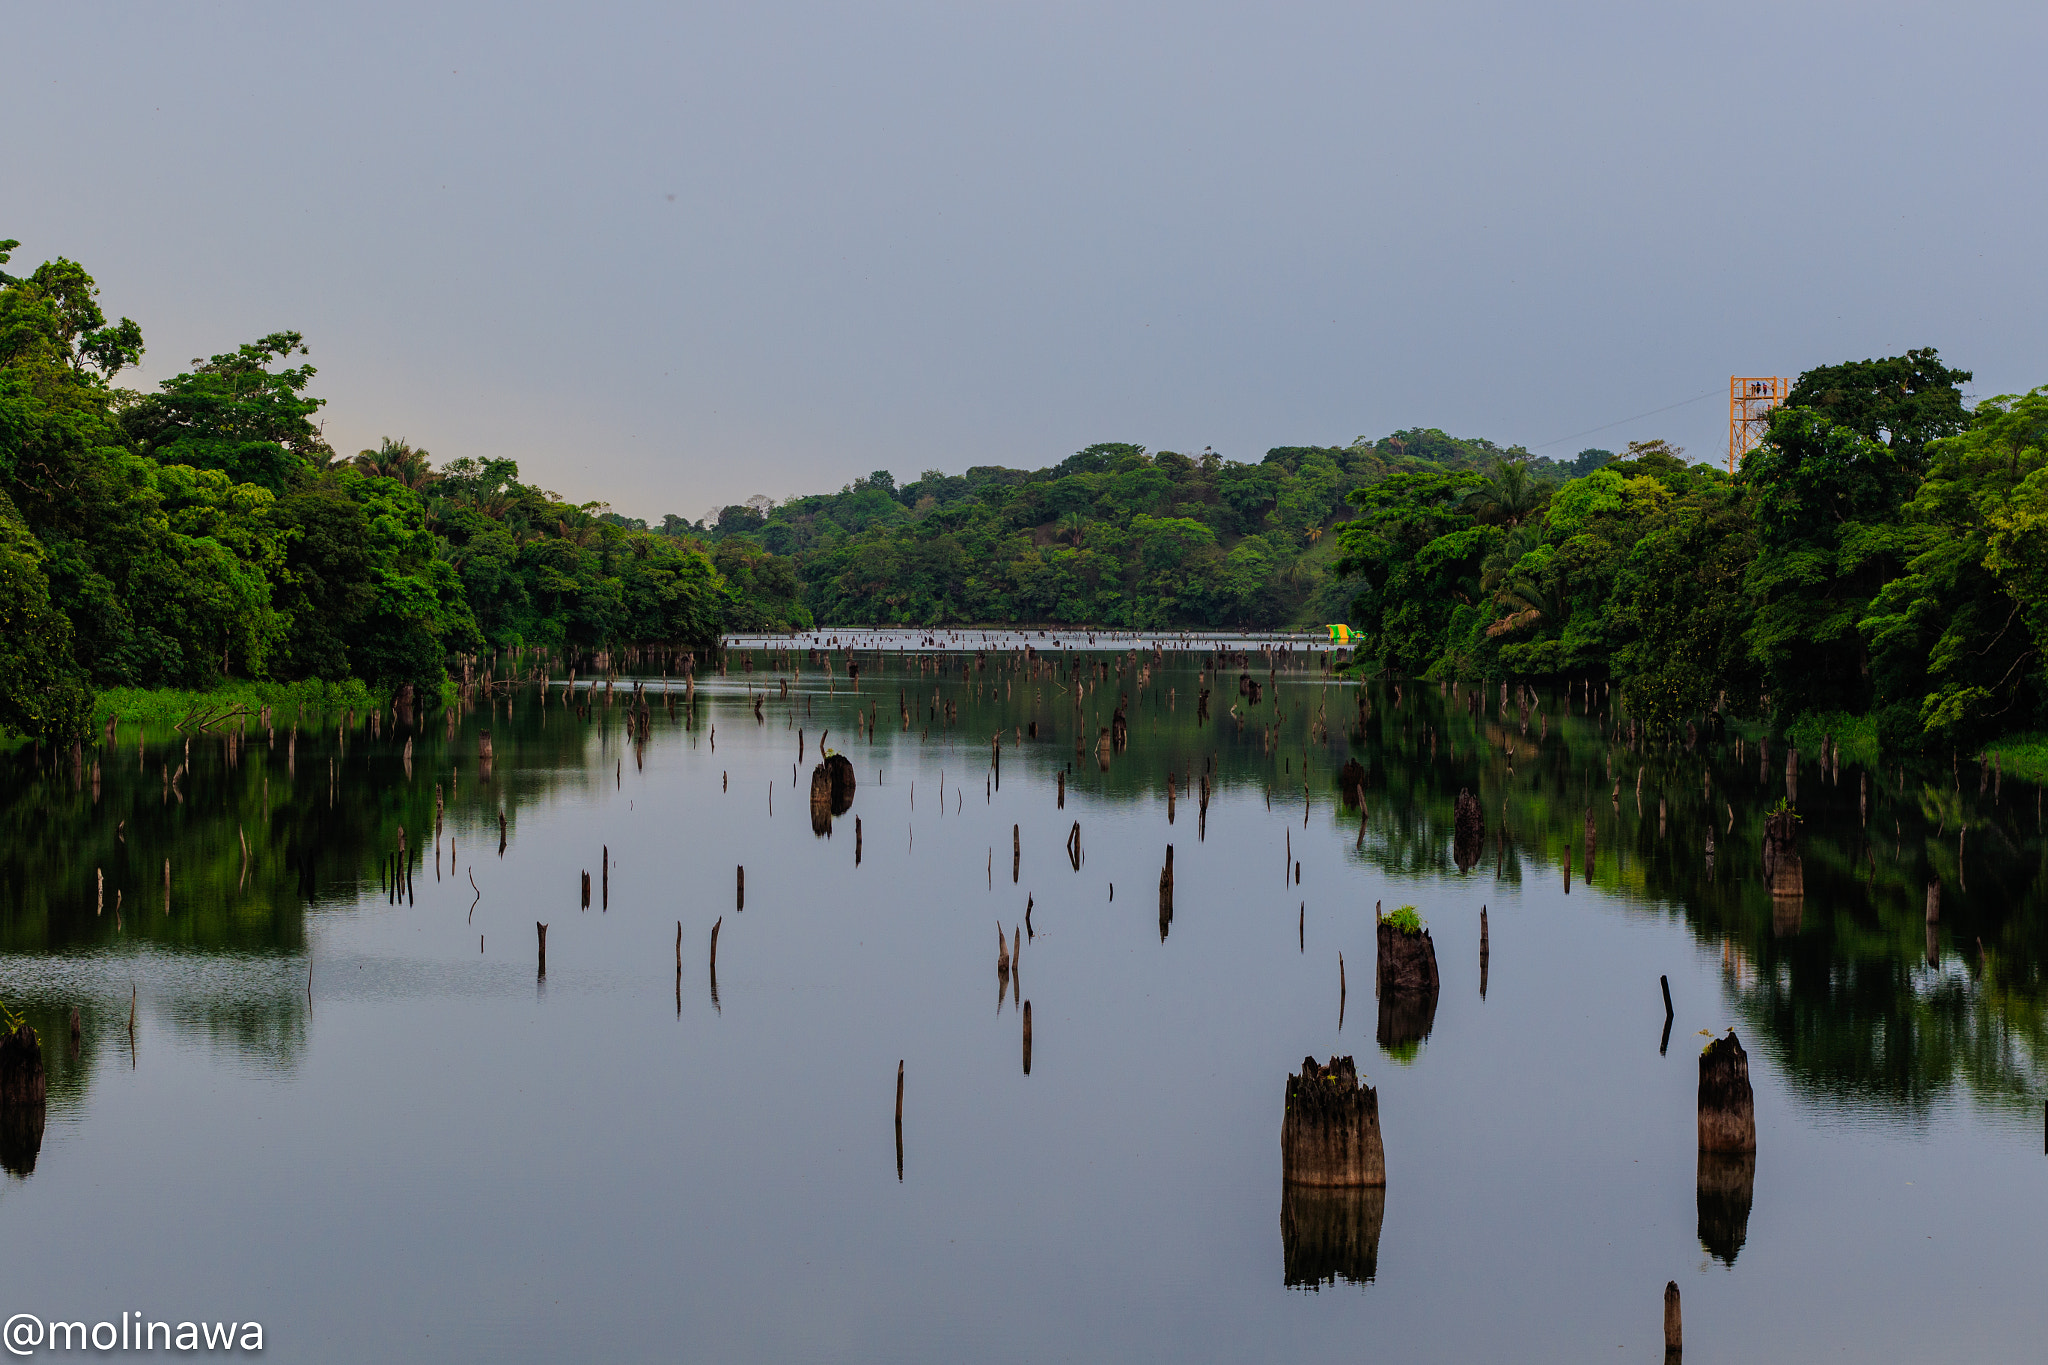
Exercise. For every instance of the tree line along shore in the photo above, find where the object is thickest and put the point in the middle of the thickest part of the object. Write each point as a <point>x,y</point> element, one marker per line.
<point>1877,567</point>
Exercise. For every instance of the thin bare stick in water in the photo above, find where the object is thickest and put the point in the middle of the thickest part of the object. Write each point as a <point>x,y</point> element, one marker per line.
<point>479,895</point>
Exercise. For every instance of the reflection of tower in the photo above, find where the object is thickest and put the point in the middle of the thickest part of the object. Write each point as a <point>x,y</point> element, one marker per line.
<point>1750,401</point>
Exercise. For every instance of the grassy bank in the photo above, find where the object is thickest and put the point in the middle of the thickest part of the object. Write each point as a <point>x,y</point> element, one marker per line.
<point>2021,756</point>
<point>164,706</point>
<point>1857,735</point>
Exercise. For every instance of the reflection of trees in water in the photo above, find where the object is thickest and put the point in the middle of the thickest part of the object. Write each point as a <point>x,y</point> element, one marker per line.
<point>309,843</point>
<point>1835,985</point>
<point>1841,998</point>
<point>1895,1033</point>
<point>268,1029</point>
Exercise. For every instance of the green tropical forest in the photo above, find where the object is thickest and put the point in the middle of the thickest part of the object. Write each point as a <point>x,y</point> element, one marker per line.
<point>1876,568</point>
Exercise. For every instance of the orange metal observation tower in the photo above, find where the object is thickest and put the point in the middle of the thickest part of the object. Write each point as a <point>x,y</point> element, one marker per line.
<point>1750,400</point>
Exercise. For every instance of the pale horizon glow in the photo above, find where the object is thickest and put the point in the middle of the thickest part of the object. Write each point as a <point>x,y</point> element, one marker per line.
<point>670,257</point>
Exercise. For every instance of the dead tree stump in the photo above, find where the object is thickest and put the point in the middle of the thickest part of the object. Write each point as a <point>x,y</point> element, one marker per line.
<point>22,1090</point>
<point>1727,1104</point>
<point>1330,1135</point>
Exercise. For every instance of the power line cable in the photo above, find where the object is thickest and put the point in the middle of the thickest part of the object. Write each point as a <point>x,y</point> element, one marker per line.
<point>1626,420</point>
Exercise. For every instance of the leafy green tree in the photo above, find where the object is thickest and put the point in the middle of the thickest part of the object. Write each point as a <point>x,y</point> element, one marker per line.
<point>41,693</point>
<point>1905,401</point>
<point>236,414</point>
<point>1959,637</point>
<point>1508,496</point>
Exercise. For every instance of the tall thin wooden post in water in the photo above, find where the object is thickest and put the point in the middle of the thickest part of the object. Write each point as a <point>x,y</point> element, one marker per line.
<point>741,904</point>
<point>1674,1336</point>
<point>1166,893</point>
<point>899,1120</point>
<point>1485,951</point>
<point>541,932</point>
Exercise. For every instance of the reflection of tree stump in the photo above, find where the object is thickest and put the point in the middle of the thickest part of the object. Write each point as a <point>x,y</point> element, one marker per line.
<point>21,1067</point>
<point>21,1100</point>
<point>1727,1184</point>
<point>1330,1135</point>
<point>1407,984</point>
<point>1120,726</point>
<point>1782,870</point>
<point>1253,696</point>
<point>1351,783</point>
<point>1727,1104</point>
<point>839,771</point>
<point>1788,914</point>
<point>1468,839</point>
<point>1327,1235</point>
<point>821,801</point>
<point>1405,1017</point>
<point>831,792</point>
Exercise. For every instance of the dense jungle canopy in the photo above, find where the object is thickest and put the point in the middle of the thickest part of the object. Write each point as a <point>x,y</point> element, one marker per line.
<point>1880,555</point>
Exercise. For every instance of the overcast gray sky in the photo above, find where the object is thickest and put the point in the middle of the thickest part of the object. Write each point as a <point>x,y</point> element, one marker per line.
<point>673,255</point>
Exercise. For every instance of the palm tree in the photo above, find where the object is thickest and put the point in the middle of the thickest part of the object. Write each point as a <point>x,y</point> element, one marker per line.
<point>1072,525</point>
<point>397,460</point>
<point>1509,496</point>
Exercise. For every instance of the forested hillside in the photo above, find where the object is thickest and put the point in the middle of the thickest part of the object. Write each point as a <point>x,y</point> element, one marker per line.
<point>1113,535</point>
<point>1882,556</point>
<point>205,532</point>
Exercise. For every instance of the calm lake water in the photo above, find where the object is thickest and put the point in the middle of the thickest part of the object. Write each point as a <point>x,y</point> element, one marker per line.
<point>375,1128</point>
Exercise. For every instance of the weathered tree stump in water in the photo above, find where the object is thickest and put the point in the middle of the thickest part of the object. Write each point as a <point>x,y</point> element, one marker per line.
<point>22,1090</point>
<point>1727,1104</point>
<point>1407,962</point>
<point>21,1067</point>
<point>1782,870</point>
<point>1468,831</point>
<point>1327,1235</point>
<point>1407,983</point>
<point>1330,1135</point>
<point>1726,1188</point>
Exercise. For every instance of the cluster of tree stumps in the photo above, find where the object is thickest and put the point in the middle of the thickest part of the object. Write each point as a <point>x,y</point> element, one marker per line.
<point>1334,1174</point>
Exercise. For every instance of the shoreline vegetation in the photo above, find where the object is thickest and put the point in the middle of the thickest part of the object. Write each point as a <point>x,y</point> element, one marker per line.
<point>1873,579</point>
